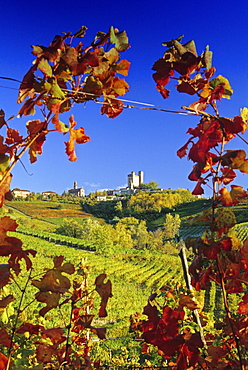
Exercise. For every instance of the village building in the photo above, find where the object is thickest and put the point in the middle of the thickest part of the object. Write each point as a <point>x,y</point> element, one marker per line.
<point>49,194</point>
<point>18,193</point>
<point>77,192</point>
<point>134,181</point>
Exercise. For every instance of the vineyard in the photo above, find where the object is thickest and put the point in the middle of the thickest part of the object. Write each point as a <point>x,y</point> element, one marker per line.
<point>134,278</point>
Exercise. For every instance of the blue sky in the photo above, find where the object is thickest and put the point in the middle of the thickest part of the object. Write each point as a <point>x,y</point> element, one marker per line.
<point>137,139</point>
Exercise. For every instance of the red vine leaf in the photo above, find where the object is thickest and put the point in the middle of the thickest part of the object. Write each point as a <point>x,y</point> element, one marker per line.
<point>50,298</point>
<point>5,338</point>
<point>2,118</point>
<point>5,275</point>
<point>6,300</point>
<point>188,301</point>
<point>233,197</point>
<point>5,192</point>
<point>11,246</point>
<point>112,108</point>
<point>105,292</point>
<point>3,361</point>
<point>243,305</point>
<point>76,135</point>
<point>27,327</point>
<point>13,137</point>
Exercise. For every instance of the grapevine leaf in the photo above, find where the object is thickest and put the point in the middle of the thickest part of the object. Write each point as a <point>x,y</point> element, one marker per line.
<point>228,175</point>
<point>11,246</point>
<point>35,127</point>
<point>2,118</point>
<point>52,52</point>
<point>76,135</point>
<point>186,64</point>
<point>233,126</point>
<point>207,58</point>
<point>55,335</point>
<point>220,80</point>
<point>105,292</point>
<point>60,126</point>
<point>120,39</point>
<point>55,90</point>
<point>238,160</point>
<point>36,147</point>
<point>3,361</point>
<point>44,353</point>
<point>191,86</point>
<point>71,58</point>
<point>5,338</point>
<point>27,327</point>
<point>243,305</point>
<point>188,301</point>
<point>81,32</point>
<point>13,136</point>
<point>119,86</point>
<point>45,67</point>
<point>53,281</point>
<point>4,162</point>
<point>198,190</point>
<point>89,59</point>
<point>100,332</point>
<point>6,300</point>
<point>112,108</point>
<point>112,55</point>
<point>164,92</point>
<point>27,85</point>
<point>57,261</point>
<point>122,67</point>
<point>92,86</point>
<point>244,114</point>
<point>5,275</point>
<point>50,298</point>
<point>28,108</point>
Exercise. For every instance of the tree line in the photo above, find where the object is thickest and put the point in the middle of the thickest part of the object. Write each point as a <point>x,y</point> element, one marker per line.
<point>143,205</point>
<point>125,234</point>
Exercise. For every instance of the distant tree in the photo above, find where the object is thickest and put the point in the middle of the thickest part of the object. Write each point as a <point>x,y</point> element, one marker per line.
<point>149,185</point>
<point>137,230</point>
<point>122,236</point>
<point>118,208</point>
<point>70,228</point>
<point>171,225</point>
<point>155,241</point>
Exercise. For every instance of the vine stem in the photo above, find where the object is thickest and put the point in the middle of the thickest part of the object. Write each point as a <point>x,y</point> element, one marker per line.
<point>228,313</point>
<point>68,333</point>
<point>16,320</point>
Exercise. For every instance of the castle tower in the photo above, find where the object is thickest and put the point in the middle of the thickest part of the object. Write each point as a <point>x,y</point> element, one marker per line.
<point>134,181</point>
<point>141,177</point>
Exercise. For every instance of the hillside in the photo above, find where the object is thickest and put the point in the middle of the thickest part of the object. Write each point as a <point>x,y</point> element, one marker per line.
<point>47,213</point>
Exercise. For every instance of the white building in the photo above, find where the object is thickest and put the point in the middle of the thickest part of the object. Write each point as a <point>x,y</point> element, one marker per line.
<point>77,192</point>
<point>18,193</point>
<point>134,181</point>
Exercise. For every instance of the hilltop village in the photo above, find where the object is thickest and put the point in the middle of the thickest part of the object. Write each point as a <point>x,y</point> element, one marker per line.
<point>135,183</point>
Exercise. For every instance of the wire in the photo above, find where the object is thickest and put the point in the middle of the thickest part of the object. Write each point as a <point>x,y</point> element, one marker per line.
<point>138,105</point>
